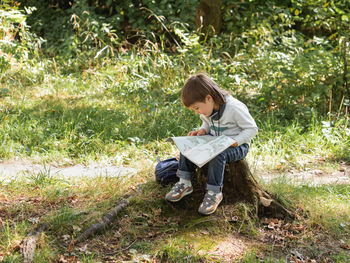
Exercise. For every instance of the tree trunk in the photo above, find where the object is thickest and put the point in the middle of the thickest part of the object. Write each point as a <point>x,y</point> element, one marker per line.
<point>240,185</point>
<point>208,13</point>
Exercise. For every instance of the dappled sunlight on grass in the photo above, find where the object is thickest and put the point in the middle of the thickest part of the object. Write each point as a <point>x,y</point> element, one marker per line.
<point>326,206</point>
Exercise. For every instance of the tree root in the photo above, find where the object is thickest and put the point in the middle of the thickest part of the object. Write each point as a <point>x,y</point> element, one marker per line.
<point>106,220</point>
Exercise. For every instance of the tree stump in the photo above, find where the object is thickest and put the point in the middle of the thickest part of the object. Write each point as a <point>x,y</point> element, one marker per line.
<point>240,185</point>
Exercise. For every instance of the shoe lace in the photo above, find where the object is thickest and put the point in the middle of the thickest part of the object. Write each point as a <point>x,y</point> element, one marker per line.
<point>178,187</point>
<point>209,198</point>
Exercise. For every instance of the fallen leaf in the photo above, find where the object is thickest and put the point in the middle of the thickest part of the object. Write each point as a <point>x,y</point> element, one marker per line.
<point>345,246</point>
<point>66,237</point>
<point>62,259</point>
<point>72,198</point>
<point>275,220</point>
<point>296,255</point>
<point>341,169</point>
<point>290,236</point>
<point>271,225</point>
<point>234,218</point>
<point>265,202</point>
<point>76,228</point>
<point>297,228</point>
<point>33,220</point>
<point>84,249</point>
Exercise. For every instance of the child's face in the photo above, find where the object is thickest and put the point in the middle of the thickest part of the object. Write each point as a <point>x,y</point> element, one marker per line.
<point>206,108</point>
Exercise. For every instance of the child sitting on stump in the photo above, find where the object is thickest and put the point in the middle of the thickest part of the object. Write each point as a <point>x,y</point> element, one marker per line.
<point>221,114</point>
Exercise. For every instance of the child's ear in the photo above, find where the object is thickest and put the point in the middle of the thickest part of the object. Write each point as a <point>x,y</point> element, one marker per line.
<point>208,98</point>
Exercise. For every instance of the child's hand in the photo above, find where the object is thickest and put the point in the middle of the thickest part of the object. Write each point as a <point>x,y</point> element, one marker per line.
<point>197,132</point>
<point>234,145</point>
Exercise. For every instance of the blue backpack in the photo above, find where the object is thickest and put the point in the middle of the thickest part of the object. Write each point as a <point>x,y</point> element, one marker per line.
<point>165,171</point>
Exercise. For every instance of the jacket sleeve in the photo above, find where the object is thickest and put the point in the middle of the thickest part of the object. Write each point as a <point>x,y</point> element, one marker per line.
<point>246,122</point>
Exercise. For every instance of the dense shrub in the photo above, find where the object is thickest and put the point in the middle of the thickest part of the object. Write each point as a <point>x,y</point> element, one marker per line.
<point>81,25</point>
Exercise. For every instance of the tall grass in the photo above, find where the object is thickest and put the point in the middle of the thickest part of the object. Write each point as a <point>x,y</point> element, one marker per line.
<point>130,103</point>
<point>293,145</point>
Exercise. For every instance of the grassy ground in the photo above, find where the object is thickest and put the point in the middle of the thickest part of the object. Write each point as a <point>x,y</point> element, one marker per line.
<point>151,229</point>
<point>121,114</point>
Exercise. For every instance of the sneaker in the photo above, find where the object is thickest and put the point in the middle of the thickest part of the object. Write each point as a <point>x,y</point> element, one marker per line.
<point>178,191</point>
<point>210,202</point>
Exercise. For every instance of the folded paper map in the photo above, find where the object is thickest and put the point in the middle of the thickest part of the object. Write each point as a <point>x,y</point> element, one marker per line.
<point>202,149</point>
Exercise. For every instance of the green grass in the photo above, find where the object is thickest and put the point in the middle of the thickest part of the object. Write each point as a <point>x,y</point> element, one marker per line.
<point>326,206</point>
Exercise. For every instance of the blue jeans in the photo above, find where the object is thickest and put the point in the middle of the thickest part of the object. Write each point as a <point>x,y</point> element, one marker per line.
<point>216,167</point>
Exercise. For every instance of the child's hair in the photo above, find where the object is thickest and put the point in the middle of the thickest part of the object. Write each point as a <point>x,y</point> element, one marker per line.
<point>198,87</point>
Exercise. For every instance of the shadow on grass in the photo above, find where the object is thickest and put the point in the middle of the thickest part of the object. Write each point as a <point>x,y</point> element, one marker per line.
<point>88,125</point>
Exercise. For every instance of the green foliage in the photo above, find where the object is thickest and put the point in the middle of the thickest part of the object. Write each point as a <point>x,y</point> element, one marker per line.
<point>81,27</point>
<point>72,30</point>
<point>287,52</point>
<point>17,43</point>
<point>325,17</point>
<point>42,178</point>
<point>295,49</point>
<point>144,16</point>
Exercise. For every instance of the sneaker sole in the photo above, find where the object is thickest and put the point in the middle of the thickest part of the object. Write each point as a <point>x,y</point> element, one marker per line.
<point>181,196</point>
<point>211,211</point>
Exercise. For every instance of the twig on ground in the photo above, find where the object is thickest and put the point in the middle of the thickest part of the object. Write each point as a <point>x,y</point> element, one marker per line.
<point>120,250</point>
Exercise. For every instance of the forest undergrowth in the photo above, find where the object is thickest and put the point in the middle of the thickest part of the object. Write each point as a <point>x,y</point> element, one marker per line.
<point>120,113</point>
<point>116,103</point>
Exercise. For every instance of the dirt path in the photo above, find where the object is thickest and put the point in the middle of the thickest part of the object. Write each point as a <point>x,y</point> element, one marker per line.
<point>14,169</point>
<point>313,176</point>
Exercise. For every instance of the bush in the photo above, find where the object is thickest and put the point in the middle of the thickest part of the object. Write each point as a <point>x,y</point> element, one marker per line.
<point>17,43</point>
